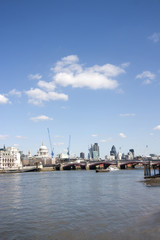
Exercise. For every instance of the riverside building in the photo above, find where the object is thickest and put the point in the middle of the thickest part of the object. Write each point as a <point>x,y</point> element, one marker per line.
<point>10,158</point>
<point>42,155</point>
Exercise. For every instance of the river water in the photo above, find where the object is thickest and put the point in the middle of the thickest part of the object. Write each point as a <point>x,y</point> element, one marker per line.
<point>78,205</point>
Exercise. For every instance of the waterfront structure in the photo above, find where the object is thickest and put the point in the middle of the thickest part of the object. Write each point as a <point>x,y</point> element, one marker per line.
<point>94,152</point>
<point>10,158</point>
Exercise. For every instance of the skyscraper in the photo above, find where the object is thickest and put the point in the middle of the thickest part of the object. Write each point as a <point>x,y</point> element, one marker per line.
<point>113,151</point>
<point>82,155</point>
<point>132,151</point>
<point>94,151</point>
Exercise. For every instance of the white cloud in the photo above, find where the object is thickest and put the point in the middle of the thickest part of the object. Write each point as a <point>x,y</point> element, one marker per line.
<point>124,65</point>
<point>35,76</point>
<point>3,99</point>
<point>155,37</point>
<point>49,86</point>
<point>41,118</point>
<point>3,137</point>
<point>157,127</point>
<point>94,135</point>
<point>122,135</point>
<point>147,76</point>
<point>68,71</point>
<point>15,93</point>
<point>147,82</point>
<point>38,96</point>
<point>127,115</point>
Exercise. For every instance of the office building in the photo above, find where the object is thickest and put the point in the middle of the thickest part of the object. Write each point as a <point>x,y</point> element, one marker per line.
<point>94,153</point>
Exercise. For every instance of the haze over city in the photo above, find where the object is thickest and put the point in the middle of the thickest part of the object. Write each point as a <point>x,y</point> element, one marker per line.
<point>89,69</point>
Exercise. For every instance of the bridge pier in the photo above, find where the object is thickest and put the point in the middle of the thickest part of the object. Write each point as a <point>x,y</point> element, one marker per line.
<point>118,165</point>
<point>61,167</point>
<point>87,167</point>
<point>147,170</point>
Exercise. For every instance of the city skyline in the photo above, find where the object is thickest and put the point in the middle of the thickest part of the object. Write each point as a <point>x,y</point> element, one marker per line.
<point>89,69</point>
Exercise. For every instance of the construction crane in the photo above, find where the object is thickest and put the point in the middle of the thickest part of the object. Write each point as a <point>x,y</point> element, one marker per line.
<point>69,148</point>
<point>52,149</point>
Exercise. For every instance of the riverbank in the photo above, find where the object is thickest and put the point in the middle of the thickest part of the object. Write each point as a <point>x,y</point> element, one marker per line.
<point>155,182</point>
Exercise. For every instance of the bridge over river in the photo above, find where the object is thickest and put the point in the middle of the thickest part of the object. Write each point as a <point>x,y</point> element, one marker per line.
<point>121,164</point>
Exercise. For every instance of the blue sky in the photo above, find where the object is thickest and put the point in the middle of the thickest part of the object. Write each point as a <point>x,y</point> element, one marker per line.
<point>89,69</point>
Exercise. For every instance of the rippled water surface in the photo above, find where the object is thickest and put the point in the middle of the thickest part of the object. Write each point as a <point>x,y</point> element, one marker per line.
<point>78,205</point>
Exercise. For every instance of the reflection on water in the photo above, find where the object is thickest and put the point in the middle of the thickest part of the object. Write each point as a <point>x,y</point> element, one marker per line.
<point>78,205</point>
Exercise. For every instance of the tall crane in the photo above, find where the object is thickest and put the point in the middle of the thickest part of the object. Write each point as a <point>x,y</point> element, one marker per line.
<point>69,148</point>
<point>51,147</point>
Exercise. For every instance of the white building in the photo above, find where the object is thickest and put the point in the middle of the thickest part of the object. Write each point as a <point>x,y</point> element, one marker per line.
<point>111,157</point>
<point>10,158</point>
<point>43,152</point>
<point>130,156</point>
<point>63,155</point>
<point>119,155</point>
<point>43,155</point>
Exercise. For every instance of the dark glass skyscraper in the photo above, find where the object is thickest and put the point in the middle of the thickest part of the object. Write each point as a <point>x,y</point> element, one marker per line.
<point>113,151</point>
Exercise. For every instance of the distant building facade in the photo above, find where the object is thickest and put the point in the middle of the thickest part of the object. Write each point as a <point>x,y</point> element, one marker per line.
<point>94,153</point>
<point>43,151</point>
<point>41,157</point>
<point>82,155</point>
<point>113,151</point>
<point>10,158</point>
<point>132,151</point>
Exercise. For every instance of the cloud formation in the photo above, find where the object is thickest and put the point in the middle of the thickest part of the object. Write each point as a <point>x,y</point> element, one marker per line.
<point>3,99</point>
<point>48,86</point>
<point>41,118</point>
<point>3,137</point>
<point>38,96</point>
<point>122,135</point>
<point>157,127</point>
<point>147,76</point>
<point>124,65</point>
<point>69,72</point>
<point>94,135</point>
<point>36,76</point>
<point>14,92</point>
<point>155,37</point>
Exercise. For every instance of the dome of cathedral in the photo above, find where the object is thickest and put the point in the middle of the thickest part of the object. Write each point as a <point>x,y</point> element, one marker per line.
<point>43,151</point>
<point>43,147</point>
